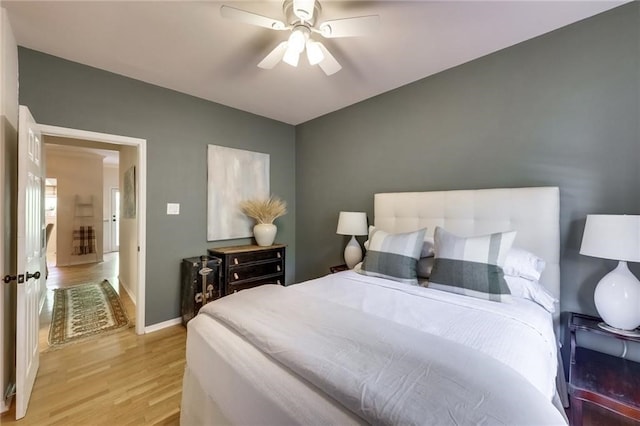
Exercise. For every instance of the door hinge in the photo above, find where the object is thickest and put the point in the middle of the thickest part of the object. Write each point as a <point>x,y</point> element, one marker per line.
<point>10,392</point>
<point>8,278</point>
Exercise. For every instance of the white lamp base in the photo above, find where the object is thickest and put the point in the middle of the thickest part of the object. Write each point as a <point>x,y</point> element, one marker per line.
<point>617,298</point>
<point>352,253</point>
<point>628,333</point>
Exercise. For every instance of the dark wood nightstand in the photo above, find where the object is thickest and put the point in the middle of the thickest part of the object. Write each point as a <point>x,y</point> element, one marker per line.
<point>338,268</point>
<point>250,266</point>
<point>599,381</point>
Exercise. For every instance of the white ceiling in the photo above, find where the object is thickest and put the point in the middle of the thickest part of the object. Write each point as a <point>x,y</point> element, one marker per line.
<point>186,46</point>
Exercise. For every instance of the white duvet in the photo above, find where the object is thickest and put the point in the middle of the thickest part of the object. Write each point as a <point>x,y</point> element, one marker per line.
<point>519,334</point>
<point>392,353</point>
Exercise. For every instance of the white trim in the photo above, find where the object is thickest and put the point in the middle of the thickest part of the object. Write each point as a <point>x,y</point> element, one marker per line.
<point>164,324</point>
<point>125,286</point>
<point>90,136</point>
<point>141,178</point>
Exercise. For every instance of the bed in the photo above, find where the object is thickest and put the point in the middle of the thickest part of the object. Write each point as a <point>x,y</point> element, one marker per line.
<point>356,347</point>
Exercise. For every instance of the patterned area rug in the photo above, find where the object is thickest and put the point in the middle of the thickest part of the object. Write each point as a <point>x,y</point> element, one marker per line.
<point>85,310</point>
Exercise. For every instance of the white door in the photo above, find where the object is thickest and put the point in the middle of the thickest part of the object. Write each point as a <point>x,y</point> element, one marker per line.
<point>115,219</point>
<point>31,256</point>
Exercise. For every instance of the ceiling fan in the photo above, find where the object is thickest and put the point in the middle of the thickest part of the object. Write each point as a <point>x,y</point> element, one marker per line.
<point>301,18</point>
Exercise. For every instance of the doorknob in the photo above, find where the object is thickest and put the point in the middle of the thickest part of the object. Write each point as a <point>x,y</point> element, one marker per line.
<point>36,275</point>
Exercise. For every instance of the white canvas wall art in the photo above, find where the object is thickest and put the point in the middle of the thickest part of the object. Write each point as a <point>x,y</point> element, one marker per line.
<point>234,175</point>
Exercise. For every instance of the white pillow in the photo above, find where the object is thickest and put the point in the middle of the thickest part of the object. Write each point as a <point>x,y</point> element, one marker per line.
<point>531,290</point>
<point>521,263</point>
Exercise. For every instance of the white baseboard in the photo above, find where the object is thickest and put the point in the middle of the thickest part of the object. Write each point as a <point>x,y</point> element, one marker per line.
<point>159,326</point>
<point>124,285</point>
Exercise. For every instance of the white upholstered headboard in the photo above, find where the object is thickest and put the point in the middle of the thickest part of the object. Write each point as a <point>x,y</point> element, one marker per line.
<point>533,212</point>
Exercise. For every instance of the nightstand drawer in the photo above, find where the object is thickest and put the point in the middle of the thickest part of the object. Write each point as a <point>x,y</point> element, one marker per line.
<point>232,288</point>
<point>256,256</point>
<point>253,271</point>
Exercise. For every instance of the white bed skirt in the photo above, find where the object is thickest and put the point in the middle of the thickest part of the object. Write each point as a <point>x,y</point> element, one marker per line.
<point>197,407</point>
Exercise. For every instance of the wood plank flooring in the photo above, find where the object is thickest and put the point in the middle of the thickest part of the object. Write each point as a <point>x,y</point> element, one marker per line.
<point>68,276</point>
<point>117,379</point>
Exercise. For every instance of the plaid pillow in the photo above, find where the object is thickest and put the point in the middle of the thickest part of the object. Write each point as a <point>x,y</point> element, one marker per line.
<point>393,256</point>
<point>472,266</point>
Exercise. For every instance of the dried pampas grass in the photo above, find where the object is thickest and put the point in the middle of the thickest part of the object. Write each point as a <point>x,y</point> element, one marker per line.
<point>264,211</point>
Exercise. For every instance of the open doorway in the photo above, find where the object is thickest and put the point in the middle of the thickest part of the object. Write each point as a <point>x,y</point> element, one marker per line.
<point>82,239</point>
<point>119,245</point>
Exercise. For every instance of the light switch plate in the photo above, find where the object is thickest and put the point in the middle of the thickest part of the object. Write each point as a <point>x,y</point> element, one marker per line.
<point>173,208</point>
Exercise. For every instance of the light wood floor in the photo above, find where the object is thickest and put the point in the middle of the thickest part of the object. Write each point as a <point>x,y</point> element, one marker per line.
<point>68,276</point>
<point>117,379</point>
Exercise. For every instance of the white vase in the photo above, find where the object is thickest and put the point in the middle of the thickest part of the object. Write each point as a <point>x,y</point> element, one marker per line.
<point>265,233</point>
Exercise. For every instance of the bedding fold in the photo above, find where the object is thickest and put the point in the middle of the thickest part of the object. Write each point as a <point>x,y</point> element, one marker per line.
<point>384,372</point>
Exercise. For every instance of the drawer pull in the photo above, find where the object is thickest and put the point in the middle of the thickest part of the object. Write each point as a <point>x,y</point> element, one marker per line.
<point>235,275</point>
<point>279,255</point>
<point>235,261</point>
<point>278,268</point>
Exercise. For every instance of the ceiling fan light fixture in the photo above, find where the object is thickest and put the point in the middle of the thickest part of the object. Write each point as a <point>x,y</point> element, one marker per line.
<point>314,53</point>
<point>291,56</point>
<point>297,40</point>
<point>301,18</point>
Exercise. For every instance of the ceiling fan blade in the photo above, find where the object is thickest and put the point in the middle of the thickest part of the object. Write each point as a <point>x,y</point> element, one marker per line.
<point>251,18</point>
<point>303,9</point>
<point>329,64</point>
<point>349,27</point>
<point>275,56</point>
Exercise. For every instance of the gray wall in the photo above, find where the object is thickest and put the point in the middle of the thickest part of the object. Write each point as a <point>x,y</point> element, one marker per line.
<point>560,110</point>
<point>177,128</point>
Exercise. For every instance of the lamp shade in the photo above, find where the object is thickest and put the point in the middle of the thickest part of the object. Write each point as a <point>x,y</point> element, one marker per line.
<point>352,223</point>
<point>614,237</point>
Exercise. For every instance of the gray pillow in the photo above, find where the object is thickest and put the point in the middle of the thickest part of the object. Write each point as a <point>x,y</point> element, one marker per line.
<point>425,266</point>
<point>472,266</point>
<point>393,256</point>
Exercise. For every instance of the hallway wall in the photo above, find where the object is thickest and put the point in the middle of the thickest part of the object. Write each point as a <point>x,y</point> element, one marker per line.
<point>128,230</point>
<point>79,176</point>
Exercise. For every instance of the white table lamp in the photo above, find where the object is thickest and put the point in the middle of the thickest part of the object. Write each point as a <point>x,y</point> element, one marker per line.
<point>617,295</point>
<point>352,223</point>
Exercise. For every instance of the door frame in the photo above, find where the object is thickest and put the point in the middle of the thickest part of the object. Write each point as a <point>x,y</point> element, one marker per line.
<point>141,181</point>
<point>112,246</point>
